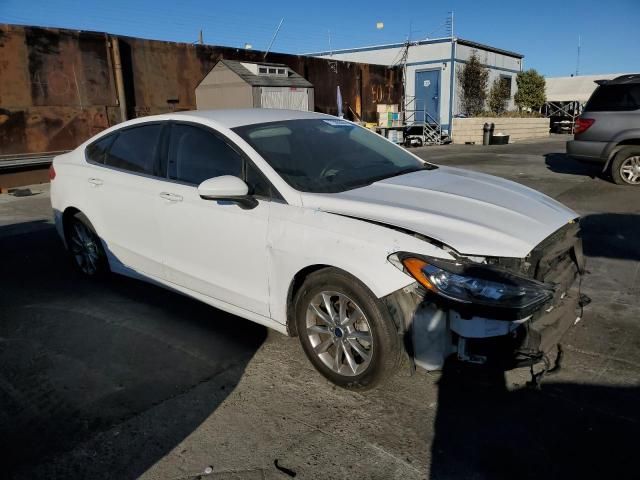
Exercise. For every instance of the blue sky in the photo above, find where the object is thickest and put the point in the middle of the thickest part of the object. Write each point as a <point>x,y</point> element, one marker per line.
<point>546,32</point>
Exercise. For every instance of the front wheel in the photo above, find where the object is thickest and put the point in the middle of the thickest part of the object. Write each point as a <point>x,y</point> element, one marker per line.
<point>625,168</point>
<point>345,331</point>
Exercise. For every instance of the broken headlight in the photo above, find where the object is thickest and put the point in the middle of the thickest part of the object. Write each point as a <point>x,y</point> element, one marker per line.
<point>477,284</point>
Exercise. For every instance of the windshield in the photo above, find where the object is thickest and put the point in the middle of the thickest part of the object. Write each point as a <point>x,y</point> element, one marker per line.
<point>328,155</point>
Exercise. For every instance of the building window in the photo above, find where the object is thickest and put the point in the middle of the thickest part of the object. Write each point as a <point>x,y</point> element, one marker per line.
<point>506,81</point>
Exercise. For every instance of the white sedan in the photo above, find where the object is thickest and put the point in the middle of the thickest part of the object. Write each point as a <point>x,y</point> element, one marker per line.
<point>319,228</point>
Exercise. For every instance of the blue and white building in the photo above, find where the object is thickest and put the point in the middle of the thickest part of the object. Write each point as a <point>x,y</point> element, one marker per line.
<point>431,66</point>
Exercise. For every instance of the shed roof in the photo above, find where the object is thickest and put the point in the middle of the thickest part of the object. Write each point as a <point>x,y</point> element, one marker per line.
<point>574,89</point>
<point>291,80</point>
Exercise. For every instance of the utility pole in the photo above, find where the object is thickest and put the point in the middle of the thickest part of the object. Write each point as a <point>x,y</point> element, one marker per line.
<point>452,74</point>
<point>578,60</point>
<point>200,38</point>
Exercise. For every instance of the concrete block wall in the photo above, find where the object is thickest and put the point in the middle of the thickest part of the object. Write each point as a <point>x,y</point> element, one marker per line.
<point>470,129</point>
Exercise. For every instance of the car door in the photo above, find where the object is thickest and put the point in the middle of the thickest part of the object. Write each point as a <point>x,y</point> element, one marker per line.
<point>123,196</point>
<point>215,248</point>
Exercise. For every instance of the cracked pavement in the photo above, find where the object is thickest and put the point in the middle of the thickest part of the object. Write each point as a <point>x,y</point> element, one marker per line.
<point>119,379</point>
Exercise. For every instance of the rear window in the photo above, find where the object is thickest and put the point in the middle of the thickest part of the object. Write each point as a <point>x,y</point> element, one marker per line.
<point>135,149</point>
<point>97,151</point>
<point>611,98</point>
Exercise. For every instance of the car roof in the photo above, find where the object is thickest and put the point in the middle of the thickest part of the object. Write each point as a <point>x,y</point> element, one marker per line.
<point>248,116</point>
<point>622,80</point>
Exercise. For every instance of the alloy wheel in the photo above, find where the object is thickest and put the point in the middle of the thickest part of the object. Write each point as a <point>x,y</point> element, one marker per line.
<point>84,248</point>
<point>630,170</point>
<point>339,333</point>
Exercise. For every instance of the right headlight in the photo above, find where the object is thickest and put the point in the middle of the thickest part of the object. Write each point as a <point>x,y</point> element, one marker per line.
<point>476,284</point>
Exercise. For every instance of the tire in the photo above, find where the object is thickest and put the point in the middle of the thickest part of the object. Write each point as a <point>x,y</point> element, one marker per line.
<point>625,167</point>
<point>366,342</point>
<point>85,247</point>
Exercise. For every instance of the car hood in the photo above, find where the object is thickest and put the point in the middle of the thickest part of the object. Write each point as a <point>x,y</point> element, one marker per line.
<point>473,213</point>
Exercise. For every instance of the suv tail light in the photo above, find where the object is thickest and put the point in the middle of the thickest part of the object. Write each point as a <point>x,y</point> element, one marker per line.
<point>52,172</point>
<point>582,125</point>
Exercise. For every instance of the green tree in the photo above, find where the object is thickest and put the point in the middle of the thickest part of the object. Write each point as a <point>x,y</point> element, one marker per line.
<point>499,95</point>
<point>531,93</point>
<point>473,78</point>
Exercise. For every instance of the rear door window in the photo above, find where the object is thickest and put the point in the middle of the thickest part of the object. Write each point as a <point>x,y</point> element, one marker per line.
<point>97,151</point>
<point>136,149</point>
<point>196,154</point>
<point>611,98</point>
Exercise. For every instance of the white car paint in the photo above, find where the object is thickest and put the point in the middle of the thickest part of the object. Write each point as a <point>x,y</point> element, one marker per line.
<point>216,249</point>
<point>473,213</point>
<point>225,185</point>
<point>244,260</point>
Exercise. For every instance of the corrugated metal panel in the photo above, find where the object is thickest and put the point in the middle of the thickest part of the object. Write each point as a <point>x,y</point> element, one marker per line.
<point>57,87</point>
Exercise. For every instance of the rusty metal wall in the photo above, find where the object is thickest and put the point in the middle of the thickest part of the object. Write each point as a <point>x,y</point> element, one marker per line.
<point>57,86</point>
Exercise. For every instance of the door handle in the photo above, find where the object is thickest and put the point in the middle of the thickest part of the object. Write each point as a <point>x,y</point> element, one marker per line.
<point>172,197</point>
<point>96,182</point>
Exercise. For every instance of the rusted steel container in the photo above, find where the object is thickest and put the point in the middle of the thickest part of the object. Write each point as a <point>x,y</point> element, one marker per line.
<point>58,87</point>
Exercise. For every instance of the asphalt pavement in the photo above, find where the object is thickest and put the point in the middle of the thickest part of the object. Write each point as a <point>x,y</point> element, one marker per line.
<point>121,379</point>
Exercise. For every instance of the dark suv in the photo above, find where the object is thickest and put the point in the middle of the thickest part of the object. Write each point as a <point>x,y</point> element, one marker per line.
<point>608,131</point>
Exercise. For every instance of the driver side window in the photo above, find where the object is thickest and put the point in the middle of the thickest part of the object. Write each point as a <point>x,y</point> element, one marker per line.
<point>196,155</point>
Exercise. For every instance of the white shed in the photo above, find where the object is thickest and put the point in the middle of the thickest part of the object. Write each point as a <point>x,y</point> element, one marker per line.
<point>234,84</point>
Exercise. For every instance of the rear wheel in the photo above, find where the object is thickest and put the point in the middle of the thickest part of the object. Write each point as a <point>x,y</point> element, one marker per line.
<point>625,168</point>
<point>85,246</point>
<point>345,331</point>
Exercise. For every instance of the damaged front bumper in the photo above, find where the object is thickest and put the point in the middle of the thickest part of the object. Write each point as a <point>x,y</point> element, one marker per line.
<point>433,330</point>
<point>528,341</point>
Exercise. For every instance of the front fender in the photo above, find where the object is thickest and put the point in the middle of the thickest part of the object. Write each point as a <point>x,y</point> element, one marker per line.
<point>299,238</point>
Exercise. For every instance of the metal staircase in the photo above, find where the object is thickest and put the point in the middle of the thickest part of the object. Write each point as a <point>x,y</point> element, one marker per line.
<point>431,133</point>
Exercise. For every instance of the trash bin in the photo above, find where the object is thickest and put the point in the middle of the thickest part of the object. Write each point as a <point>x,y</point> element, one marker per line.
<point>499,139</point>
<point>486,134</point>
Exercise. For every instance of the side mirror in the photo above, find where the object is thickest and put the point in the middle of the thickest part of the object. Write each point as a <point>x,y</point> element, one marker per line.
<point>229,189</point>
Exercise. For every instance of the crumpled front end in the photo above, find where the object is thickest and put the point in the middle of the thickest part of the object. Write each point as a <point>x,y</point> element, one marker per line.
<point>435,327</point>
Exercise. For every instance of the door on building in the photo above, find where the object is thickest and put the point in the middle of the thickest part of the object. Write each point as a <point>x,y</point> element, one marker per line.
<point>428,95</point>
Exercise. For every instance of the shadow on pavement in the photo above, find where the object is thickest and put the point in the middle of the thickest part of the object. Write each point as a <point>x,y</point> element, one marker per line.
<point>563,163</point>
<point>612,235</point>
<point>125,367</point>
<point>483,431</point>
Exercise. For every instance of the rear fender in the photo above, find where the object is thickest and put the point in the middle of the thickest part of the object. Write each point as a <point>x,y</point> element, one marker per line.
<point>623,139</point>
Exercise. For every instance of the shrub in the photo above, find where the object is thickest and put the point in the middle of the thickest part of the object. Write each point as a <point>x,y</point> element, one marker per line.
<point>499,95</point>
<point>531,90</point>
<point>473,79</point>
